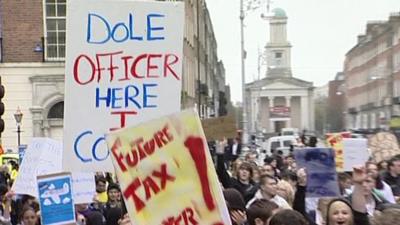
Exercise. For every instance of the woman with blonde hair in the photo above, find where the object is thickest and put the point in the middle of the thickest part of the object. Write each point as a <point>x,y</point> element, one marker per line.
<point>285,190</point>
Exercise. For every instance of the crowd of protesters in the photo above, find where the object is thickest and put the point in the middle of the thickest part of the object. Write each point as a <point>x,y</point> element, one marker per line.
<point>257,192</point>
<point>274,192</point>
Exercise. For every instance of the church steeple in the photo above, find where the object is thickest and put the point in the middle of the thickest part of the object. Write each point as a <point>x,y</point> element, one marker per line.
<point>278,47</point>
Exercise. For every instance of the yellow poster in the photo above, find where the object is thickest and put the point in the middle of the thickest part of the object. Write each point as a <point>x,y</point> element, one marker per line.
<point>335,141</point>
<point>166,172</point>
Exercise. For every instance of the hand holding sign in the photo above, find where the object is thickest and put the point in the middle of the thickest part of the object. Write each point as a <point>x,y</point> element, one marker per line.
<point>359,174</point>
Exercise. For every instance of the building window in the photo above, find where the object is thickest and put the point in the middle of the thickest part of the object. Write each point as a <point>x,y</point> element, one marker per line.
<point>278,55</point>
<point>55,11</point>
<point>57,111</point>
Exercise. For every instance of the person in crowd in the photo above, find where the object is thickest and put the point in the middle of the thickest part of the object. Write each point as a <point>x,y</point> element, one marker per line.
<point>345,183</point>
<point>29,216</point>
<point>268,190</point>
<point>101,189</point>
<point>235,167</point>
<point>86,214</point>
<point>381,186</point>
<point>290,177</point>
<point>256,173</point>
<point>4,175</point>
<point>290,163</point>
<point>392,176</point>
<point>388,216</point>
<point>14,171</point>
<point>243,182</point>
<point>267,169</point>
<point>260,211</point>
<point>288,217</point>
<point>114,209</point>
<point>382,166</point>
<point>251,156</point>
<point>236,206</point>
<point>272,162</point>
<point>313,142</point>
<point>234,149</point>
<point>285,190</point>
<point>342,212</point>
<point>5,207</point>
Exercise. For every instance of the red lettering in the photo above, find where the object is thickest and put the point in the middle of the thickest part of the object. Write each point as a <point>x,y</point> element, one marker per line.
<point>149,185</point>
<point>117,155</point>
<point>132,158</point>
<point>131,192</point>
<point>125,59</point>
<point>149,147</point>
<point>197,151</point>
<point>134,65</point>
<point>151,66</point>
<point>187,215</point>
<point>122,115</point>
<point>163,175</point>
<point>165,131</point>
<point>76,69</point>
<point>168,64</point>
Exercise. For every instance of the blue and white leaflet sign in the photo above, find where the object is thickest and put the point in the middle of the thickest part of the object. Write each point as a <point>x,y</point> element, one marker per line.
<point>321,171</point>
<point>55,198</point>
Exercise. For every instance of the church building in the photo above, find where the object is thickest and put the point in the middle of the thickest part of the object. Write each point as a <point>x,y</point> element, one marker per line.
<point>279,100</point>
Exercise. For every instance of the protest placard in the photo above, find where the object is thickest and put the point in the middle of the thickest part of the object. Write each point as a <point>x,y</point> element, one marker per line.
<point>335,141</point>
<point>383,146</point>
<point>123,67</point>
<point>220,127</point>
<point>55,199</point>
<point>321,172</point>
<point>43,156</point>
<point>355,152</point>
<point>164,166</point>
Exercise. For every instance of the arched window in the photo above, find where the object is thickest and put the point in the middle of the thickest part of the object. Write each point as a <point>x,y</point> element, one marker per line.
<point>57,111</point>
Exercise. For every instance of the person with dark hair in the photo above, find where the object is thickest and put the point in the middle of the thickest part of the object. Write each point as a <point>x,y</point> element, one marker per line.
<point>345,183</point>
<point>380,186</point>
<point>288,217</point>
<point>114,209</point>
<point>28,216</point>
<point>243,182</point>
<point>392,176</point>
<point>5,196</point>
<point>101,187</point>
<point>268,190</point>
<point>260,211</point>
<point>236,206</point>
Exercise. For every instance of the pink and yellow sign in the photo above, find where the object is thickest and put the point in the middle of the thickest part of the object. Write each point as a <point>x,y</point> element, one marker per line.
<point>166,172</point>
<point>335,141</point>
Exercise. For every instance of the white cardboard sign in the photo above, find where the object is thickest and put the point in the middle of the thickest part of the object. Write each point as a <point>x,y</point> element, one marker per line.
<point>123,67</point>
<point>355,152</point>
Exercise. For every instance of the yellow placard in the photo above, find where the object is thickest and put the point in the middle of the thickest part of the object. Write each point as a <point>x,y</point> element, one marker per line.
<point>166,172</point>
<point>335,141</point>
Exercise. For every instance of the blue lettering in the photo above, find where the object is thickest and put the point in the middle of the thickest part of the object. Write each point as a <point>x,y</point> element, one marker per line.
<point>94,150</point>
<point>125,28</point>
<point>115,98</point>
<point>150,28</point>
<point>129,97</point>
<point>146,95</point>
<point>131,26</point>
<point>107,98</point>
<point>76,147</point>
<point>89,29</point>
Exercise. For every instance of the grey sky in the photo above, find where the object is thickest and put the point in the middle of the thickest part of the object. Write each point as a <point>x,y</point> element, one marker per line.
<point>320,31</point>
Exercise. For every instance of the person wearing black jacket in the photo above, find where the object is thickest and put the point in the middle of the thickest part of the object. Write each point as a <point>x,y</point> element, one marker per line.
<point>243,183</point>
<point>338,208</point>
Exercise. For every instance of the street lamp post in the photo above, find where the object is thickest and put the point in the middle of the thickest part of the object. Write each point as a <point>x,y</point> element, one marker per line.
<point>243,57</point>
<point>18,118</point>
